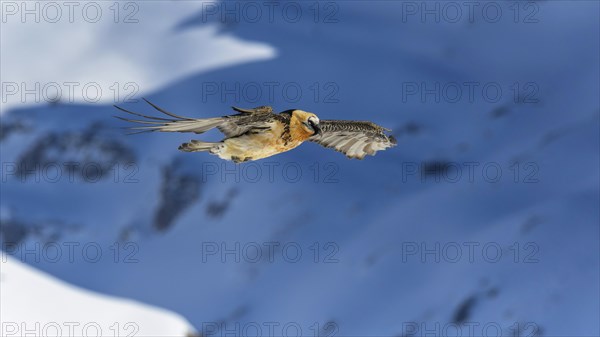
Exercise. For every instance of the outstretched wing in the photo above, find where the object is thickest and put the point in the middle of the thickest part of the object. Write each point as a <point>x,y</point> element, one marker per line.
<point>353,138</point>
<point>248,120</point>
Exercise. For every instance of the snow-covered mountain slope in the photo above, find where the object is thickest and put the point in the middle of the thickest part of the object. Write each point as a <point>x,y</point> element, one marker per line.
<point>34,303</point>
<point>182,231</point>
<point>125,47</point>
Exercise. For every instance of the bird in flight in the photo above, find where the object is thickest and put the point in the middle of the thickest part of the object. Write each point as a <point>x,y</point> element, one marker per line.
<point>258,133</point>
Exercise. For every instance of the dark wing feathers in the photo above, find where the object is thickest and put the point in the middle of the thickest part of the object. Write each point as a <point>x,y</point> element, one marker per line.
<point>240,124</point>
<point>355,139</point>
<point>264,109</point>
<point>232,126</point>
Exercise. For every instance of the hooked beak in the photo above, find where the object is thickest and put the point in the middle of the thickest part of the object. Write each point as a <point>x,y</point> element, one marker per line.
<point>317,128</point>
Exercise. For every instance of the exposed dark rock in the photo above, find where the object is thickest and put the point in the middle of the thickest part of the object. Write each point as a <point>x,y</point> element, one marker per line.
<point>330,328</point>
<point>526,329</point>
<point>464,310</point>
<point>13,232</point>
<point>229,322</point>
<point>551,136</point>
<point>216,209</point>
<point>412,128</point>
<point>493,292</point>
<point>9,127</point>
<point>86,155</point>
<point>500,112</point>
<point>435,168</point>
<point>530,224</point>
<point>178,191</point>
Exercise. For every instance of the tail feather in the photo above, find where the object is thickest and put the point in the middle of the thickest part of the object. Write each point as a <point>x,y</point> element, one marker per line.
<point>197,125</point>
<point>177,124</point>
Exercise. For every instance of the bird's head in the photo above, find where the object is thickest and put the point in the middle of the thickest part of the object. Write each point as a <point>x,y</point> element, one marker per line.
<point>308,121</point>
